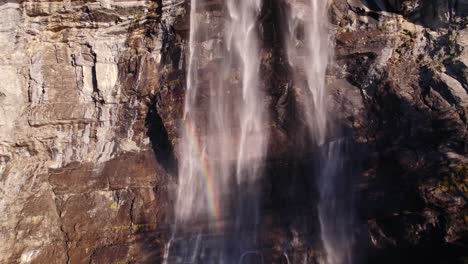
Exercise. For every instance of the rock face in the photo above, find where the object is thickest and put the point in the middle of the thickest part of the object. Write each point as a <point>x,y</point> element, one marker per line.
<point>92,96</point>
<point>79,178</point>
<point>410,69</point>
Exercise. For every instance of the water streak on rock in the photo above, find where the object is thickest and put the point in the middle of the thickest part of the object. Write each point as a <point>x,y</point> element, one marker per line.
<point>224,140</point>
<point>309,51</point>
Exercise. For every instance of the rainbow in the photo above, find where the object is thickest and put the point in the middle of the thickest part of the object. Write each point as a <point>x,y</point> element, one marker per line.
<point>210,179</point>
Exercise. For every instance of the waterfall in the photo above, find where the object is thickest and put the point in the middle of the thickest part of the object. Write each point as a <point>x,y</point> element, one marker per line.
<point>307,45</point>
<point>308,48</point>
<point>223,148</point>
<point>335,213</point>
<point>224,126</point>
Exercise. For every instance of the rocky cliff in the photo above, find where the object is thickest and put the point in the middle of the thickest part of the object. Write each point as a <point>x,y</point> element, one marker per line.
<point>92,97</point>
<point>80,180</point>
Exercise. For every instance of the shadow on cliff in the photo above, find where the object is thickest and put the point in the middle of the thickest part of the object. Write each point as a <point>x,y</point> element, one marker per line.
<point>159,139</point>
<point>408,142</point>
<point>141,74</point>
<point>156,130</point>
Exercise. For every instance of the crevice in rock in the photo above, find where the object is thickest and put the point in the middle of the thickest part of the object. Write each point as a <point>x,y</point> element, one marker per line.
<point>159,138</point>
<point>132,204</point>
<point>94,78</point>
<point>97,96</point>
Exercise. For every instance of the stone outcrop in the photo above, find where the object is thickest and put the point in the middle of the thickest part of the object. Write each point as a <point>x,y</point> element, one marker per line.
<point>92,96</point>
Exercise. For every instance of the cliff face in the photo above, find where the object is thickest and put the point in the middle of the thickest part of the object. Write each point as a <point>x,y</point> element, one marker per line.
<point>408,60</point>
<point>92,96</point>
<point>80,180</point>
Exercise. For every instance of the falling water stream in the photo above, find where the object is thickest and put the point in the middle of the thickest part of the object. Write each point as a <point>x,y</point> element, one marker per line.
<point>309,52</point>
<point>225,132</point>
<point>225,139</point>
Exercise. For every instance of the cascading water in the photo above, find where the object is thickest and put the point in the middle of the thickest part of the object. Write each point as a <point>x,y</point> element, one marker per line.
<point>335,207</point>
<point>224,144</point>
<point>224,140</point>
<point>308,49</point>
<point>308,52</point>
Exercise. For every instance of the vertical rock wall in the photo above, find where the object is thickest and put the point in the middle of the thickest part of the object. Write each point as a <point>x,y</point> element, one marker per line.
<point>79,178</point>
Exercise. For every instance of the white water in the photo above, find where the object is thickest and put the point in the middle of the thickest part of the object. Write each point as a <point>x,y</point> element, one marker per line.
<point>225,136</point>
<point>335,213</point>
<point>309,51</point>
<point>308,48</point>
<point>242,41</point>
<point>224,142</point>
